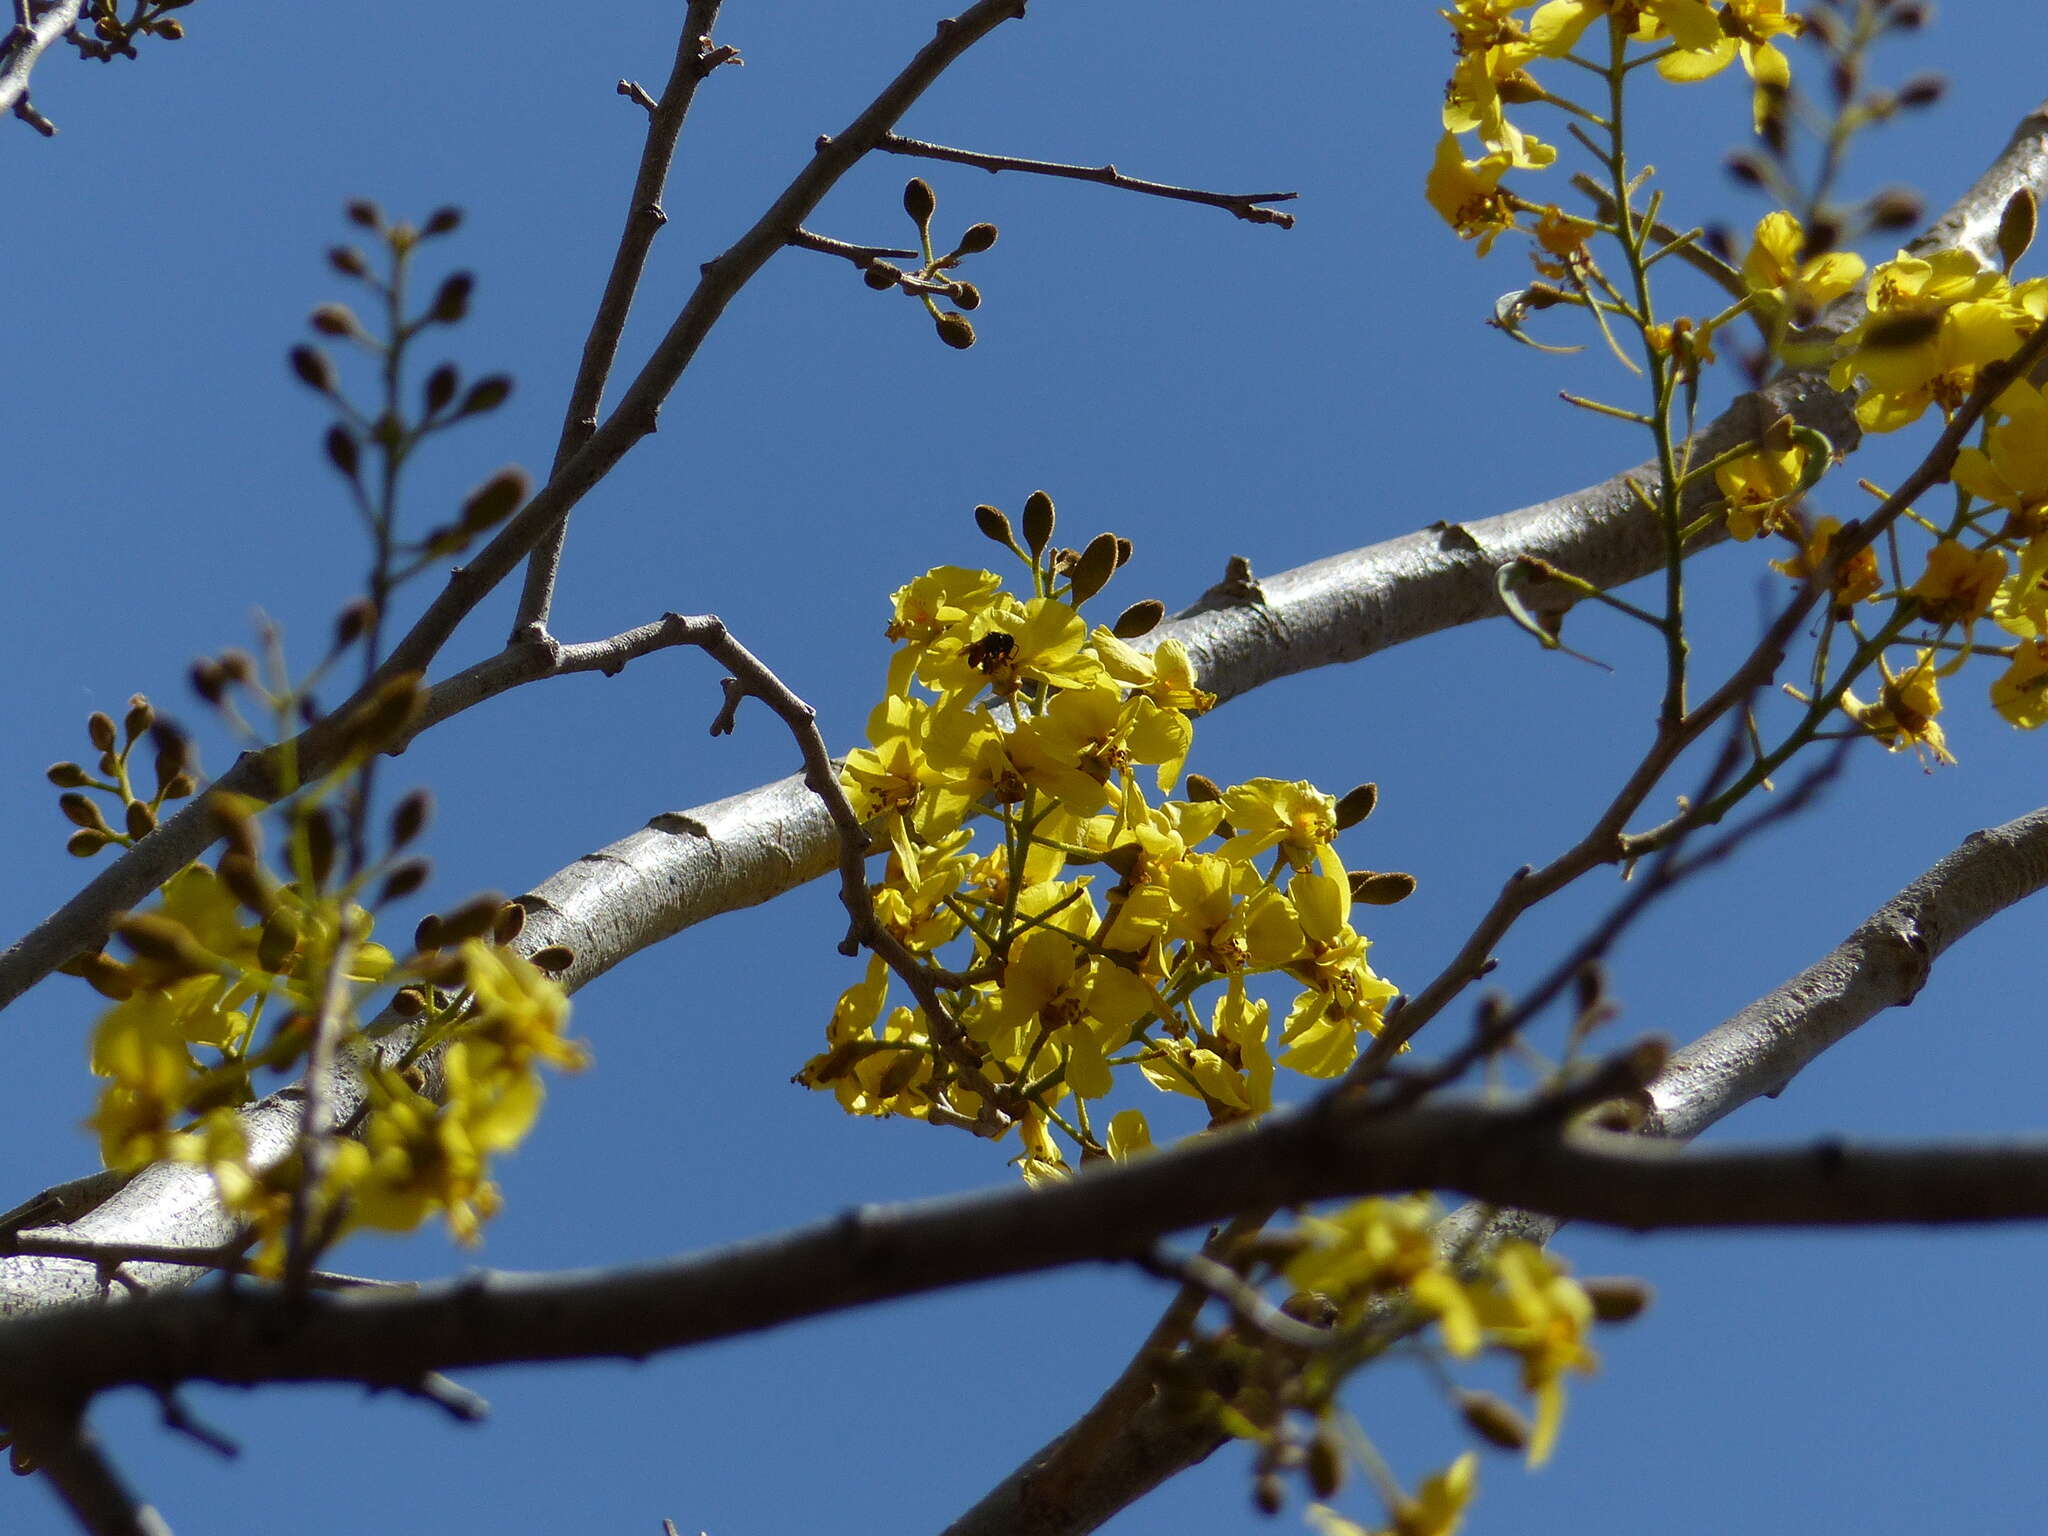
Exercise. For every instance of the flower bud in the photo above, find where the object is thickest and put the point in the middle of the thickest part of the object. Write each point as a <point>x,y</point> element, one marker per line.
<point>995,526</point>
<point>1141,618</point>
<point>67,776</point>
<point>1357,805</point>
<point>979,237</point>
<point>1494,1419</point>
<point>100,727</point>
<point>1617,1298</point>
<point>881,275</point>
<point>955,331</point>
<point>1038,522</point>
<point>919,201</point>
<point>1380,890</point>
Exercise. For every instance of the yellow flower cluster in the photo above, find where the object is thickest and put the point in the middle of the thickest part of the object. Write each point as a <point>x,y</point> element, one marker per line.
<point>1005,772</point>
<point>1496,45</point>
<point>1520,1301</point>
<point>1931,325</point>
<point>181,1043</point>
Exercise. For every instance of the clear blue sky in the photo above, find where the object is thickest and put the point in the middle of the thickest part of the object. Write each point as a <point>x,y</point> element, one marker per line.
<point>1201,385</point>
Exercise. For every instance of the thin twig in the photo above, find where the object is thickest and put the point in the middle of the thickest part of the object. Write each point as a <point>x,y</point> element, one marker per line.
<point>1246,205</point>
<point>81,921</point>
<point>862,256</point>
<point>695,59</point>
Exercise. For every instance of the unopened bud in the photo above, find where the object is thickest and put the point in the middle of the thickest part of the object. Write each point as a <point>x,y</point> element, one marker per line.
<point>979,237</point>
<point>1494,1419</point>
<point>1617,1298</point>
<point>100,727</point>
<point>956,331</point>
<point>919,201</point>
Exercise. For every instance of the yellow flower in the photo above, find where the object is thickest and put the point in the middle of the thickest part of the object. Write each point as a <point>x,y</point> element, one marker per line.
<point>2021,693</point>
<point>1787,284</point>
<point>1535,1310</point>
<point>1467,193</point>
<point>1958,585</point>
<point>1932,324</point>
<point>1690,24</point>
<point>1750,28</point>
<point>1492,48</point>
<point>1903,715</point>
<point>2011,469</point>
<point>1855,580</point>
<point>1759,487</point>
<point>137,1043</point>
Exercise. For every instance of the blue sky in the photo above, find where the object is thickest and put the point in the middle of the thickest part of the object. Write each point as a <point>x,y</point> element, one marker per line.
<point>1203,386</point>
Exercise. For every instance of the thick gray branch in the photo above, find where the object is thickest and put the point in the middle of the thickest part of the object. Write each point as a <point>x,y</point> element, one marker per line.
<point>1505,1155</point>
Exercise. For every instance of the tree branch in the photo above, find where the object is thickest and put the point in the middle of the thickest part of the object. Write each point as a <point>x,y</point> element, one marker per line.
<point>1246,205</point>
<point>81,922</point>
<point>24,45</point>
<point>1517,1154</point>
<point>644,218</point>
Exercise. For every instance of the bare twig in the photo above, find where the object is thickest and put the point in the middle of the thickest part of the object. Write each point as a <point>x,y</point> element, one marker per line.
<point>81,922</point>
<point>862,256</point>
<point>1249,206</point>
<point>695,58</point>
